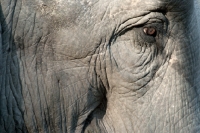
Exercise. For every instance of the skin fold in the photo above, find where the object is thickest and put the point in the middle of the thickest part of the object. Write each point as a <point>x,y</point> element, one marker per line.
<point>93,66</point>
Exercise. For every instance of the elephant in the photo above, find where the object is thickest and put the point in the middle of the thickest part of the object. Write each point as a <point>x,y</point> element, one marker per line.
<point>100,66</point>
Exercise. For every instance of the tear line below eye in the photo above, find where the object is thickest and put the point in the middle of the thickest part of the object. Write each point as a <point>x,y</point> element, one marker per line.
<point>149,18</point>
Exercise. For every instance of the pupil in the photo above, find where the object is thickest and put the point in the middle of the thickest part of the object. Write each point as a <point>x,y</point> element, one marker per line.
<point>150,31</point>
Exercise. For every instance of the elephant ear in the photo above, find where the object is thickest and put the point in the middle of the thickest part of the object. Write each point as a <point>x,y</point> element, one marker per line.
<point>197,12</point>
<point>11,100</point>
<point>1,52</point>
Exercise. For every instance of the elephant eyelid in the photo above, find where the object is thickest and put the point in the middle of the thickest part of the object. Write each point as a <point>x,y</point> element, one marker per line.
<point>150,18</point>
<point>158,24</point>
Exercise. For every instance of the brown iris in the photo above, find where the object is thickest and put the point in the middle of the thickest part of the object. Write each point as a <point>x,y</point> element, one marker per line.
<point>150,31</point>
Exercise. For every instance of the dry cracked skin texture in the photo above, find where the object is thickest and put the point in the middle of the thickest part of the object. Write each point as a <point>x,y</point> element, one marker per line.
<point>88,66</point>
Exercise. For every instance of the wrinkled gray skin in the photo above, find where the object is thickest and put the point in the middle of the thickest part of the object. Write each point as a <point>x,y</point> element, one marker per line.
<point>87,66</point>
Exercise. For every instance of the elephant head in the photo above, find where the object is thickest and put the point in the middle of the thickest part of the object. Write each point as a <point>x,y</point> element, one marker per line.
<point>99,66</point>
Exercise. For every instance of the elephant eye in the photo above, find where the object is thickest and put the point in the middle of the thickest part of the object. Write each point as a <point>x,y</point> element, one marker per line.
<point>150,31</point>
<point>146,33</point>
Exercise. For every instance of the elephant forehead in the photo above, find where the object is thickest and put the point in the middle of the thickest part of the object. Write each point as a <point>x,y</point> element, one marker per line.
<point>124,3</point>
<point>116,6</point>
<point>64,7</point>
<point>87,13</point>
